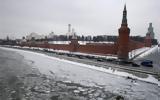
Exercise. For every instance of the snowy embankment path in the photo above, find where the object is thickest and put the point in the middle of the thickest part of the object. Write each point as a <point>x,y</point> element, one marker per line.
<point>137,52</point>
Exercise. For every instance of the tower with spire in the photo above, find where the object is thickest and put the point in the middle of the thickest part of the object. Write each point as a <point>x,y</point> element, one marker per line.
<point>149,36</point>
<point>123,39</point>
<point>150,31</point>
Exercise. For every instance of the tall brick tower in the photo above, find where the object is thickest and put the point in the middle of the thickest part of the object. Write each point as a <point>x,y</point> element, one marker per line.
<point>148,41</point>
<point>123,39</point>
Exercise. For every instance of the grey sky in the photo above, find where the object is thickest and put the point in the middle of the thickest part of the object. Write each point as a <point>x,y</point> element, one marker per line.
<point>88,17</point>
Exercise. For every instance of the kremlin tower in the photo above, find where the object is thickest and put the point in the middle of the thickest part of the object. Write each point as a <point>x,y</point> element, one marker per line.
<point>150,31</point>
<point>149,36</point>
<point>123,39</point>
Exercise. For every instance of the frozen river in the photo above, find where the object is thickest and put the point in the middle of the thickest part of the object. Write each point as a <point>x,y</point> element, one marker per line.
<point>91,76</point>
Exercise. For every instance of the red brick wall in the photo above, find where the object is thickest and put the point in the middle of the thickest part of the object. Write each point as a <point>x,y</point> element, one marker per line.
<point>97,48</point>
<point>135,45</point>
<point>102,49</point>
<point>148,41</point>
<point>88,48</point>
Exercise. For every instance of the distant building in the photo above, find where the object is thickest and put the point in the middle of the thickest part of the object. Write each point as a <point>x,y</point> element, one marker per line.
<point>88,38</point>
<point>51,35</point>
<point>70,32</point>
<point>23,40</point>
<point>150,31</point>
<point>34,36</point>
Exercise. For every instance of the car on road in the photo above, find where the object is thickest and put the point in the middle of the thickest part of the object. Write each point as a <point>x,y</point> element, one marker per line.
<point>147,63</point>
<point>135,65</point>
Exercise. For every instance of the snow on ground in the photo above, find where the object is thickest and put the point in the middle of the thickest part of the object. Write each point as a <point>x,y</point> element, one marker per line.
<point>77,72</point>
<point>136,52</point>
<point>80,42</point>
<point>149,51</point>
<point>59,42</point>
<point>103,42</point>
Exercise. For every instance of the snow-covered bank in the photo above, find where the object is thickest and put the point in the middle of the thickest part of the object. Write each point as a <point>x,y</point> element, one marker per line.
<point>136,52</point>
<point>72,70</point>
<point>149,51</point>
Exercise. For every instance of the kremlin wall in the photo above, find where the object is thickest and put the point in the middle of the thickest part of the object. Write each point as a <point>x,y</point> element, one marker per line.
<point>120,48</point>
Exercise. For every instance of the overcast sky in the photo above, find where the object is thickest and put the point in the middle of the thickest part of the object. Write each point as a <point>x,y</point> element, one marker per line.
<point>88,17</point>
